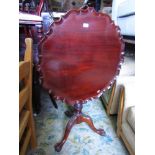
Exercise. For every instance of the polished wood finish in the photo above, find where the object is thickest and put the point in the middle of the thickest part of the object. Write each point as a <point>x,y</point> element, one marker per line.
<point>25,101</point>
<point>77,118</point>
<point>80,55</point>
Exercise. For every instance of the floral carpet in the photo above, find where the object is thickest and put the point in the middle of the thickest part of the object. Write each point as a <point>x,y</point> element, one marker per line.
<point>51,123</point>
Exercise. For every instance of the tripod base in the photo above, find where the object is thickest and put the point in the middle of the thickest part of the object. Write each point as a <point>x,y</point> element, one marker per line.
<point>78,117</point>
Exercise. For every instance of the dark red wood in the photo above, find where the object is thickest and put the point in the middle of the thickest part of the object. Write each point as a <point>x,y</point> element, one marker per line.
<point>81,55</point>
<point>77,118</point>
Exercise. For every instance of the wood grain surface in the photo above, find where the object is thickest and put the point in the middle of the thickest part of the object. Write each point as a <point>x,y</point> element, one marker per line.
<point>80,55</point>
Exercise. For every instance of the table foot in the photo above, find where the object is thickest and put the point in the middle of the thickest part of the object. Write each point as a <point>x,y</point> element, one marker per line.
<point>87,119</point>
<point>77,118</point>
<point>69,126</point>
<point>58,147</point>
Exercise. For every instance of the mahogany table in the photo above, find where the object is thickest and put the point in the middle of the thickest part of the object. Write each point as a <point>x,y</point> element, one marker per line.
<point>80,57</point>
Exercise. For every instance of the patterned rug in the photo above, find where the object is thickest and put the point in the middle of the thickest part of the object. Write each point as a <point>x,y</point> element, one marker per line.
<point>51,123</point>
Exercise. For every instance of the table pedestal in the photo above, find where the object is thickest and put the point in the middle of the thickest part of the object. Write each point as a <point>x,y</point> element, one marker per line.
<point>78,117</point>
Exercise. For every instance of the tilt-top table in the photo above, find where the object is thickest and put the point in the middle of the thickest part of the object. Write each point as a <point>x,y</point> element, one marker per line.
<point>80,57</point>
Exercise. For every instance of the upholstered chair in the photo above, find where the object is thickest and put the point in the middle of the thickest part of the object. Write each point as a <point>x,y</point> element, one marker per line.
<point>126,115</point>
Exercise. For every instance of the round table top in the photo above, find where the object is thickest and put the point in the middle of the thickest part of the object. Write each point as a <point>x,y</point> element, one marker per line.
<point>80,55</point>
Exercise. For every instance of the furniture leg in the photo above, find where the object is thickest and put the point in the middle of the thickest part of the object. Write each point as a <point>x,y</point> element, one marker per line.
<point>87,119</point>
<point>53,101</point>
<point>77,118</point>
<point>36,92</point>
<point>70,112</point>
<point>69,126</point>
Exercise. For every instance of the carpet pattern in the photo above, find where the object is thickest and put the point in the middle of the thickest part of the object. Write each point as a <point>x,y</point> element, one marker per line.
<point>51,123</point>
